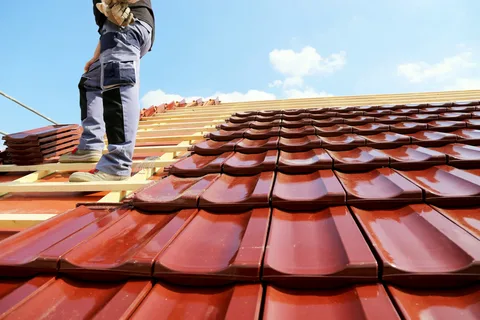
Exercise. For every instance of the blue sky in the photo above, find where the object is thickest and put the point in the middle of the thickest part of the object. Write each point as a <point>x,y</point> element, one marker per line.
<point>244,50</point>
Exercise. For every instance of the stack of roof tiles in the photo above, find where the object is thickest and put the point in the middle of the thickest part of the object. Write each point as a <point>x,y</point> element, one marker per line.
<point>148,112</point>
<point>39,145</point>
<point>333,213</point>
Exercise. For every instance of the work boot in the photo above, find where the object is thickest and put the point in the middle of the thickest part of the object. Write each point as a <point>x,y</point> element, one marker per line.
<point>81,156</point>
<point>95,175</point>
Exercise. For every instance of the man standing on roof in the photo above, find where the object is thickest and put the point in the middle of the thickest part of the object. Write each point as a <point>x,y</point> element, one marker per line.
<point>109,89</point>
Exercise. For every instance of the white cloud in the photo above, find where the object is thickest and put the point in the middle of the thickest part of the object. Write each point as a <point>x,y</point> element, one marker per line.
<point>250,95</point>
<point>293,65</point>
<point>158,97</point>
<point>464,84</point>
<point>293,82</point>
<point>306,62</point>
<point>417,72</point>
<point>306,93</point>
<point>276,83</point>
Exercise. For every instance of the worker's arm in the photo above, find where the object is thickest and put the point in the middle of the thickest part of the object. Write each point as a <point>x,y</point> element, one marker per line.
<point>96,55</point>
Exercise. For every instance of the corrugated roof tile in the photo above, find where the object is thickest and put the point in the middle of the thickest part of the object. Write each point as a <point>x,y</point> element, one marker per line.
<point>370,128</point>
<point>447,185</point>
<point>469,136</point>
<point>297,132</point>
<point>196,165</point>
<point>216,249</point>
<point>304,143</point>
<point>362,301</point>
<point>358,159</point>
<point>461,155</point>
<point>467,218</point>
<point>304,162</point>
<point>224,135</point>
<point>211,148</point>
<point>413,157</point>
<point>408,127</point>
<point>242,302</point>
<point>343,142</point>
<point>333,131</point>
<point>419,247</point>
<point>63,298</point>
<point>265,125</point>
<point>432,138</point>
<point>39,248</point>
<point>311,191</point>
<point>460,303</point>
<point>446,125</point>
<point>386,140</point>
<point>257,146</point>
<point>126,248</point>
<point>172,193</point>
<point>261,134</point>
<point>237,194</point>
<point>251,164</point>
<point>317,250</point>
<point>381,187</point>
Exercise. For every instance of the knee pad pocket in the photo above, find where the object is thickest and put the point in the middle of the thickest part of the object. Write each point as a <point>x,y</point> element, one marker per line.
<point>119,73</point>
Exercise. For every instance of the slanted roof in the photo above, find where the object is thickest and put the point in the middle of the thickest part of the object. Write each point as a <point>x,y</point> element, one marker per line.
<point>330,207</point>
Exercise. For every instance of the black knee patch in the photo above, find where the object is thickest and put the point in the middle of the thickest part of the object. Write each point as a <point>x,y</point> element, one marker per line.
<point>113,116</point>
<point>83,98</point>
<point>119,73</point>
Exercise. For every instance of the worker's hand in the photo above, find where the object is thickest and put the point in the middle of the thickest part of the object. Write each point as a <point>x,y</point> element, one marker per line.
<point>96,56</point>
<point>88,64</point>
<point>117,12</point>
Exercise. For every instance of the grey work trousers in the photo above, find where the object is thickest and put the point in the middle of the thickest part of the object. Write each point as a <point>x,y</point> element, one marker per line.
<point>110,95</point>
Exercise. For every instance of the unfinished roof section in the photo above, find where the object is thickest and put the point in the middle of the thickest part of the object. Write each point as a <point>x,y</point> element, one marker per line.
<point>286,209</point>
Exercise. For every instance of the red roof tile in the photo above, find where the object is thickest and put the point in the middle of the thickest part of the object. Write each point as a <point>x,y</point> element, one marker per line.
<point>461,155</point>
<point>382,187</point>
<point>420,247</point>
<point>214,249</point>
<point>307,191</point>
<point>413,157</point>
<point>437,304</point>
<point>237,194</point>
<point>257,146</point>
<point>196,165</point>
<point>317,250</point>
<point>364,301</point>
<point>251,164</point>
<point>304,162</point>
<point>446,185</point>
<point>358,159</point>
<point>235,302</point>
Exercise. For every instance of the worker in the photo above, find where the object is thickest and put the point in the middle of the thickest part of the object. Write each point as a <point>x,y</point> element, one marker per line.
<point>109,89</point>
